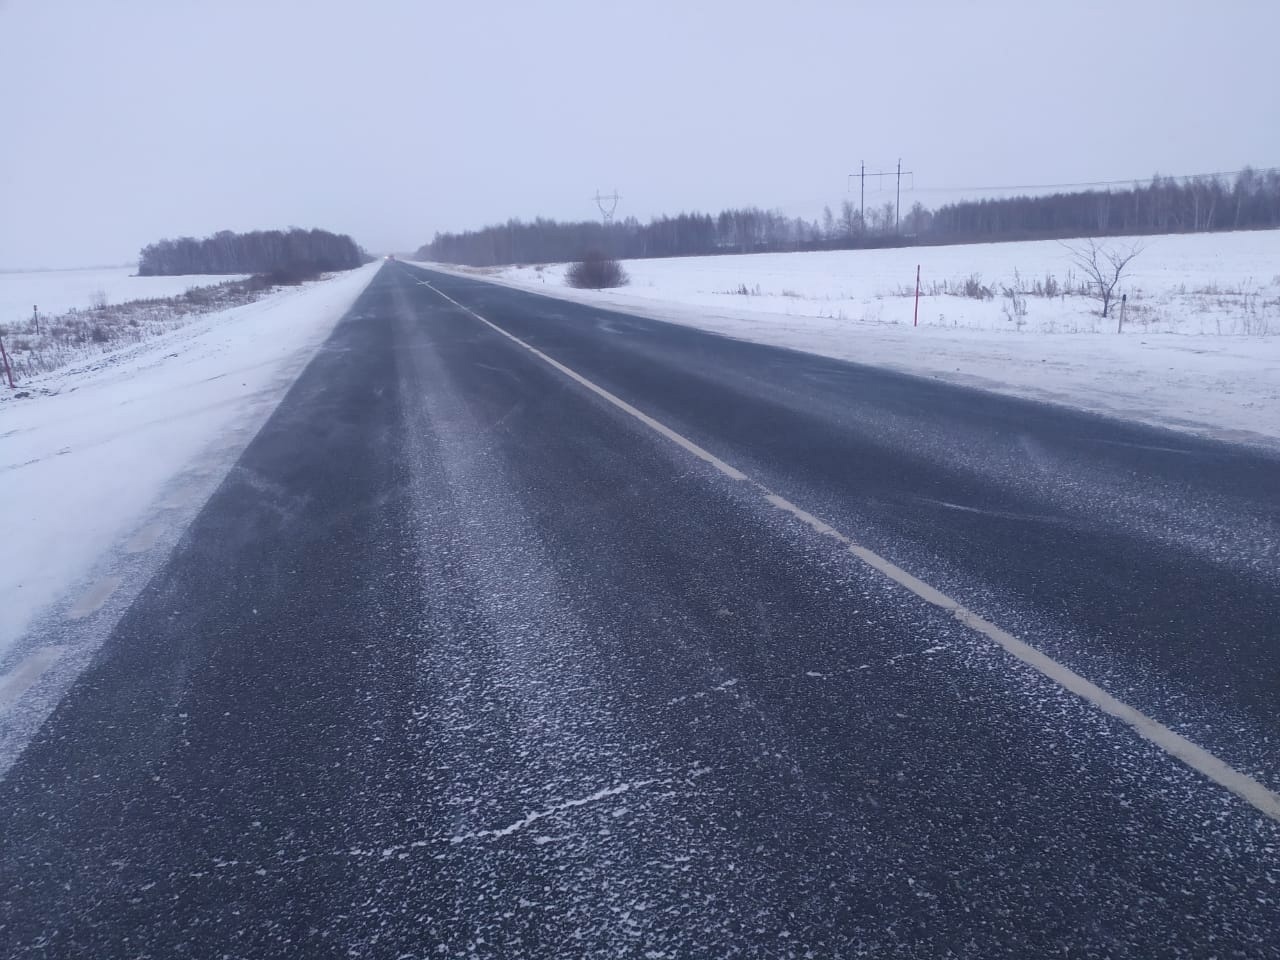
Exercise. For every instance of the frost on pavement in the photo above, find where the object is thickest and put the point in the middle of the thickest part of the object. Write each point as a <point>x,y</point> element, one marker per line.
<point>570,821</point>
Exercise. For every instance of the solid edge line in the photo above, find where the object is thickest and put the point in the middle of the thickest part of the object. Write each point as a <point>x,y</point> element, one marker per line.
<point>1194,756</point>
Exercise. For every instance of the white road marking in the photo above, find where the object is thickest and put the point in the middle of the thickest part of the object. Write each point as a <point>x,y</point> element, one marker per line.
<point>23,677</point>
<point>1196,757</point>
<point>145,538</point>
<point>94,599</point>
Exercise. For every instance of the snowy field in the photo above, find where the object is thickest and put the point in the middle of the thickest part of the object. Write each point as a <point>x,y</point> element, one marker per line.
<point>57,291</point>
<point>114,454</point>
<point>1200,350</point>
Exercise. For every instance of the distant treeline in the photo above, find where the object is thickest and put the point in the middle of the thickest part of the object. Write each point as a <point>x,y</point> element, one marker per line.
<point>1164,205</point>
<point>291,254</point>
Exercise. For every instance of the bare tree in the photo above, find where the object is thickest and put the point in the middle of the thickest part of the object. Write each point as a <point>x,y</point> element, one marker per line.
<point>917,219</point>
<point>849,219</point>
<point>889,216</point>
<point>828,223</point>
<point>1104,266</point>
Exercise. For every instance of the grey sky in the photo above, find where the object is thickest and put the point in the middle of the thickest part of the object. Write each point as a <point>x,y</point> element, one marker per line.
<point>130,120</point>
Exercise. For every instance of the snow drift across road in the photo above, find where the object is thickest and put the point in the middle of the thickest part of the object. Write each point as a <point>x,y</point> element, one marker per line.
<point>84,459</point>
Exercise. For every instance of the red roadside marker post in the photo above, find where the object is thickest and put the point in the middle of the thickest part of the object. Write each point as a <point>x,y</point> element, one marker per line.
<point>916,321</point>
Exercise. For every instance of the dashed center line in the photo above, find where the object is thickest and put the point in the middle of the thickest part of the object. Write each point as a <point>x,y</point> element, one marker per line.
<point>145,538</point>
<point>1174,744</point>
<point>94,599</point>
<point>24,676</point>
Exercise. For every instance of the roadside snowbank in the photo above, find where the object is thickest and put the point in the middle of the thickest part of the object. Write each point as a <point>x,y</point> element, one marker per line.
<point>1200,351</point>
<point>84,457</point>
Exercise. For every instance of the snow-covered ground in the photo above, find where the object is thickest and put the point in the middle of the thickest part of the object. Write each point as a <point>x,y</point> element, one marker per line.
<point>57,291</point>
<point>85,458</point>
<point>1200,350</point>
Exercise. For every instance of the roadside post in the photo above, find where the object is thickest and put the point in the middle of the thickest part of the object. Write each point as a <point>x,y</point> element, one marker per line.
<point>1124,297</point>
<point>35,318</point>
<point>916,321</point>
<point>5,357</point>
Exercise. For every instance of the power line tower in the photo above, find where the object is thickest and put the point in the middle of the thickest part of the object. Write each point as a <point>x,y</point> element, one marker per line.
<point>897,205</point>
<point>607,204</point>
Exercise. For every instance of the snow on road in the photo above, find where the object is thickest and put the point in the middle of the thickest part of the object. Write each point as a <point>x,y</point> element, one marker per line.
<point>84,458</point>
<point>57,291</point>
<point>1200,351</point>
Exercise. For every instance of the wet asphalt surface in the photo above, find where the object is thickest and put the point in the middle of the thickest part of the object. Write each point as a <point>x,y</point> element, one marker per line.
<point>463,661</point>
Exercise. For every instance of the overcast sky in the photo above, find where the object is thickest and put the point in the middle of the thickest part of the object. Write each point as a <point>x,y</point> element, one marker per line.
<point>131,120</point>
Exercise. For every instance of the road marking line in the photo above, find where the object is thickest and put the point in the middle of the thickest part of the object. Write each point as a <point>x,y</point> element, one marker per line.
<point>145,538</point>
<point>1196,757</point>
<point>23,677</point>
<point>94,599</point>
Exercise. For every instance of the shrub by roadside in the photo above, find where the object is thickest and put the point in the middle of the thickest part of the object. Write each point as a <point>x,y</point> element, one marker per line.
<point>595,271</point>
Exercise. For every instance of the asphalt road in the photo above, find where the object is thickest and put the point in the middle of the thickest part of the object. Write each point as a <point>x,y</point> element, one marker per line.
<point>463,659</point>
